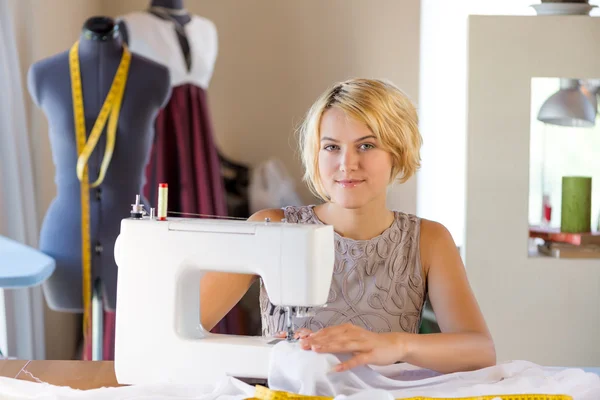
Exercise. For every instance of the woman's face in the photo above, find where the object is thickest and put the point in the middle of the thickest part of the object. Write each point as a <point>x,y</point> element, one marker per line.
<point>353,167</point>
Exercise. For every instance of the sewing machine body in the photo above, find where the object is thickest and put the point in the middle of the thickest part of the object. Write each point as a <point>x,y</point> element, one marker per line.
<point>158,335</point>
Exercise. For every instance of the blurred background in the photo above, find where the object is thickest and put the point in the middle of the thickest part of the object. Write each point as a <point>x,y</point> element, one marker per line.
<point>274,58</point>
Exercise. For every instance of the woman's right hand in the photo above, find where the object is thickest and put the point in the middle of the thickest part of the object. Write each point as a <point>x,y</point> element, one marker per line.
<point>302,333</point>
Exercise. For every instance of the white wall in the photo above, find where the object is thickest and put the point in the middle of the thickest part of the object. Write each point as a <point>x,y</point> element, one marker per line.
<point>539,309</point>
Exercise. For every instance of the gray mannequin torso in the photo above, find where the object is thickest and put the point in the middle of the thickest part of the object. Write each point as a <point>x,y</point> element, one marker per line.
<point>147,90</point>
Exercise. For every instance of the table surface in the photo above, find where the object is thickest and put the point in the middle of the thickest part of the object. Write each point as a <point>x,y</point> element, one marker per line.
<point>81,375</point>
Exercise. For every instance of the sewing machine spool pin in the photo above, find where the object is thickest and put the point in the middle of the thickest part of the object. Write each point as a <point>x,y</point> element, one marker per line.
<point>137,209</point>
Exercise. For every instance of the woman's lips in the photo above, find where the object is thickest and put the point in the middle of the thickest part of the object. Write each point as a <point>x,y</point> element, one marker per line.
<point>349,183</point>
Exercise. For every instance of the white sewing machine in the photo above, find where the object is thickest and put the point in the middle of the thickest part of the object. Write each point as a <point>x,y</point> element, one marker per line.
<point>159,337</point>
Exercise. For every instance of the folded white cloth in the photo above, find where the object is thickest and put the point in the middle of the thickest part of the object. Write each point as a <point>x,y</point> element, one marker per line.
<point>305,372</point>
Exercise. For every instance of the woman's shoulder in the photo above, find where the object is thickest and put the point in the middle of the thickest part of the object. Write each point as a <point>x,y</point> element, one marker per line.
<point>433,231</point>
<point>435,242</point>
<point>273,214</point>
<point>293,214</point>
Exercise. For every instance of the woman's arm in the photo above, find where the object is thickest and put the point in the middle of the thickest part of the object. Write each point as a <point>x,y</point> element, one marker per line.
<point>220,291</point>
<point>465,342</point>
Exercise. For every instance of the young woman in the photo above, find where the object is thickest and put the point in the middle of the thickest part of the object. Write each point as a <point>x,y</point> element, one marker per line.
<point>359,137</point>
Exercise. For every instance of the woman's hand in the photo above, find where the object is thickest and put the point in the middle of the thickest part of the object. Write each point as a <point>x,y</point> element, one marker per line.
<point>367,347</point>
<point>302,333</point>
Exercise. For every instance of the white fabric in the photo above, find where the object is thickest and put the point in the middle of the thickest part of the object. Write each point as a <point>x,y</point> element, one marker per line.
<point>21,310</point>
<point>156,39</point>
<point>305,372</point>
<point>271,186</point>
<point>225,389</point>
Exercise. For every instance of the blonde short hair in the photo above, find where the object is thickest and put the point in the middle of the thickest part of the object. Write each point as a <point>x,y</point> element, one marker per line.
<point>386,111</point>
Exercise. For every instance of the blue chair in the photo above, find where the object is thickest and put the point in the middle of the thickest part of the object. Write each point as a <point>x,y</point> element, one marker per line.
<point>22,266</point>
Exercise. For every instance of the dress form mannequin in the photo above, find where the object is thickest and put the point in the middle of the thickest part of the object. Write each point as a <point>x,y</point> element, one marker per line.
<point>187,45</point>
<point>184,153</point>
<point>235,175</point>
<point>174,8</point>
<point>147,90</point>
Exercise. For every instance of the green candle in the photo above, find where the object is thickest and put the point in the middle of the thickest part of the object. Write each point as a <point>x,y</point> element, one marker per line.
<point>576,204</point>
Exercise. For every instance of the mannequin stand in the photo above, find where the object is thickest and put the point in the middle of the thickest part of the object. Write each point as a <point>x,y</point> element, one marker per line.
<point>97,321</point>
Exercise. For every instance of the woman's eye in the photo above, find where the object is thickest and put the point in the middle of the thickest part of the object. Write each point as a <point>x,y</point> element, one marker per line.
<point>330,147</point>
<point>366,146</point>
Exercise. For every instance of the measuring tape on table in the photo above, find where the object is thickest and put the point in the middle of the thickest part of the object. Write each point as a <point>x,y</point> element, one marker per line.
<point>112,108</point>
<point>263,393</point>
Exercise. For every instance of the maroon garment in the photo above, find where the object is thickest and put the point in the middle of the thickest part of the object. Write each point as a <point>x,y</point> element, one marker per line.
<point>184,156</point>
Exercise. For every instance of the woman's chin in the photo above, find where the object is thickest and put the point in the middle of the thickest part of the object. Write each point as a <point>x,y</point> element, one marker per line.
<point>350,202</point>
<point>355,198</point>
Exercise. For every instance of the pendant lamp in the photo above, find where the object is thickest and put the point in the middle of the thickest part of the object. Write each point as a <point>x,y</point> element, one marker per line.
<point>570,106</point>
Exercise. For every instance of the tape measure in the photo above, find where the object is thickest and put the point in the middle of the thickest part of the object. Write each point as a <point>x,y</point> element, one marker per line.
<point>112,108</point>
<point>263,393</point>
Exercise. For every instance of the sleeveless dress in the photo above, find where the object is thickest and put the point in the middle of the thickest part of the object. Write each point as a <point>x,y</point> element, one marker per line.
<point>378,284</point>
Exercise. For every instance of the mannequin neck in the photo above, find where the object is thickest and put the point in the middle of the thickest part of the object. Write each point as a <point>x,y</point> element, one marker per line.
<point>175,5</point>
<point>172,10</point>
<point>100,36</point>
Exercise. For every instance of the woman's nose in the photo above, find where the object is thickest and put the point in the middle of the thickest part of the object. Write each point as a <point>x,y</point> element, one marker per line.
<point>348,161</point>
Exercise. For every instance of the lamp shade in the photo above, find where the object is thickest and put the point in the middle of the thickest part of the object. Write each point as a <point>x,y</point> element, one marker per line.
<point>568,107</point>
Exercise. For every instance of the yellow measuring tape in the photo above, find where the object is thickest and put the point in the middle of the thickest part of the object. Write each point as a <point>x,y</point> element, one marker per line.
<point>263,393</point>
<point>112,107</point>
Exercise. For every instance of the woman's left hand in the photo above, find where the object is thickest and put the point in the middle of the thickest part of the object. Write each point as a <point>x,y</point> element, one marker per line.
<point>367,347</point>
